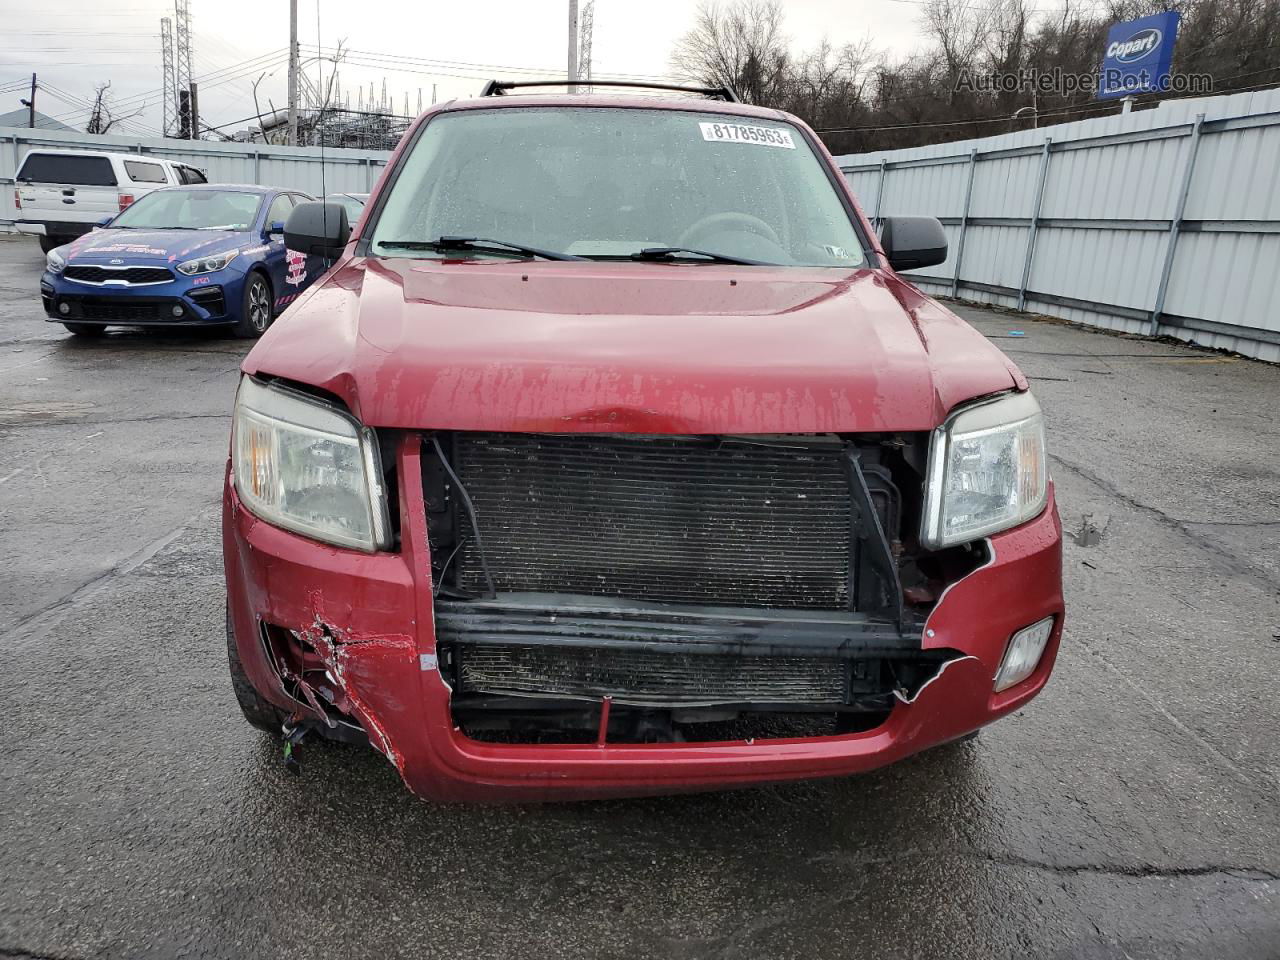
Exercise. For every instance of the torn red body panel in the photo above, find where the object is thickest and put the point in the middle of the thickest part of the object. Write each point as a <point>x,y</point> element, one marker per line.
<point>404,703</point>
<point>836,381</point>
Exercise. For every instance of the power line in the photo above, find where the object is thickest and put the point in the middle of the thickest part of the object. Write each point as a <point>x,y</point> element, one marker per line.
<point>245,68</point>
<point>400,67</point>
<point>221,78</point>
<point>85,108</point>
<point>473,68</point>
<point>125,123</point>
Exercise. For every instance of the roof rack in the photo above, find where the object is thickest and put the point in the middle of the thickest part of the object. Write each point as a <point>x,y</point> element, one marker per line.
<point>498,88</point>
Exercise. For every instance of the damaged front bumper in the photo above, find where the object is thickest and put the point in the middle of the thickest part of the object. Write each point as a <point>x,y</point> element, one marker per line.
<point>369,621</point>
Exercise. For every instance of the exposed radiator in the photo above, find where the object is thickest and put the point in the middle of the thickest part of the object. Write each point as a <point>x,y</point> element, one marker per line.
<point>666,519</point>
<point>643,677</point>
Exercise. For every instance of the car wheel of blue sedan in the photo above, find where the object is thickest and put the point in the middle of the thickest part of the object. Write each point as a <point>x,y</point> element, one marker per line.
<point>256,315</point>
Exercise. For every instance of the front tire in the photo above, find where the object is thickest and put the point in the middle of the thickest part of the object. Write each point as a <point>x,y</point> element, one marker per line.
<point>259,711</point>
<point>87,330</point>
<point>255,310</point>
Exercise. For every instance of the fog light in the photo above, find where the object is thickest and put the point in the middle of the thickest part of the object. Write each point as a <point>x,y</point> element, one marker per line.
<point>1023,655</point>
<point>64,308</point>
<point>177,310</point>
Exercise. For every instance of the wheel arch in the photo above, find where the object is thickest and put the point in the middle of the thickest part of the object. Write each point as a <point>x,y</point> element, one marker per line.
<point>261,270</point>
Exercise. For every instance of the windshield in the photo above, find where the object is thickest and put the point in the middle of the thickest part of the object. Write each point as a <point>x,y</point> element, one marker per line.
<point>606,182</point>
<point>192,210</point>
<point>354,205</point>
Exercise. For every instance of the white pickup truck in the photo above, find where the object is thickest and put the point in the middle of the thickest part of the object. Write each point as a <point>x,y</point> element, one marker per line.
<point>63,194</point>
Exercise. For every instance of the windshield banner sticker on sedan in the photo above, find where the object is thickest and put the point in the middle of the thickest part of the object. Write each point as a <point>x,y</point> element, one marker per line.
<point>746,133</point>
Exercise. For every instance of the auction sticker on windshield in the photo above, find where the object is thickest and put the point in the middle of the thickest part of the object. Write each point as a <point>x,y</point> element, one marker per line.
<point>747,133</point>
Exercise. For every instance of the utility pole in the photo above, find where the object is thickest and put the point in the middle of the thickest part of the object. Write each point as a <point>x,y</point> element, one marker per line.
<point>31,105</point>
<point>585,31</point>
<point>182,51</point>
<point>293,73</point>
<point>170,79</point>
<point>573,46</point>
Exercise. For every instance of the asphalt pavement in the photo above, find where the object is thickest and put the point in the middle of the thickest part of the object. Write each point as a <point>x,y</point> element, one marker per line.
<point>1128,812</point>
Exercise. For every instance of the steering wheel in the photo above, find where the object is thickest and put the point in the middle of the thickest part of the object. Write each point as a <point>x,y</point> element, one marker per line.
<point>716,221</point>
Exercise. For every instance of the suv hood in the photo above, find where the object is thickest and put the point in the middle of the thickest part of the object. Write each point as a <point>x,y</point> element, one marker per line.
<point>630,348</point>
<point>153,246</point>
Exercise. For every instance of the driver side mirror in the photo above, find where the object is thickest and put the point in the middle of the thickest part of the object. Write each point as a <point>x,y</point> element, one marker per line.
<point>275,227</point>
<point>911,242</point>
<point>103,222</point>
<point>318,228</point>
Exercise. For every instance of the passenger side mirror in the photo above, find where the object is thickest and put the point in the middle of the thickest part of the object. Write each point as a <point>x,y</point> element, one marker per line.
<point>318,228</point>
<point>912,242</point>
<point>275,227</point>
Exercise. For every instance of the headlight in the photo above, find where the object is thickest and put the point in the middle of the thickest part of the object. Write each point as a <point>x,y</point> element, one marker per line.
<point>54,261</point>
<point>986,471</point>
<point>207,264</point>
<point>303,465</point>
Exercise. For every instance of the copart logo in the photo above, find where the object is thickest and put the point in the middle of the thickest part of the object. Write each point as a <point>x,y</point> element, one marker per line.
<point>1141,44</point>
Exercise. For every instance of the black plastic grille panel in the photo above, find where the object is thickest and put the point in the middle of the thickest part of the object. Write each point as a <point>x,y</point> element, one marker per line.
<point>644,677</point>
<point>667,519</point>
<point>92,274</point>
<point>118,308</point>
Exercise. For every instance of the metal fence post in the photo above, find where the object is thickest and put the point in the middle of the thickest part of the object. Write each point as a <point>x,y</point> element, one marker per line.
<point>1175,225</point>
<point>1035,224</point>
<point>368,174</point>
<point>875,217</point>
<point>257,167</point>
<point>964,221</point>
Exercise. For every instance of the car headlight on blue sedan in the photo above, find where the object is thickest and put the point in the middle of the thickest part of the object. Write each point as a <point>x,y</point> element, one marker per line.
<point>987,471</point>
<point>209,264</point>
<point>304,465</point>
<point>55,262</point>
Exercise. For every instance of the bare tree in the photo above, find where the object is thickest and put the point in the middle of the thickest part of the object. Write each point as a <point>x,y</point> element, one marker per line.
<point>740,45</point>
<point>101,116</point>
<point>828,86</point>
<point>959,29</point>
<point>860,100</point>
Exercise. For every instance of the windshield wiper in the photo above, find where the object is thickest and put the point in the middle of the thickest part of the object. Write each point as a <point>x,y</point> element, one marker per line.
<point>483,244</point>
<point>680,253</point>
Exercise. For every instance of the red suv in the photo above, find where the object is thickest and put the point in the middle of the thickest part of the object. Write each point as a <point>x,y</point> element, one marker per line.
<point>614,456</point>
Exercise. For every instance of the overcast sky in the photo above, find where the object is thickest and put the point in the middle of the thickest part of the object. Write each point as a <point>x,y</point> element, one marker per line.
<point>75,44</point>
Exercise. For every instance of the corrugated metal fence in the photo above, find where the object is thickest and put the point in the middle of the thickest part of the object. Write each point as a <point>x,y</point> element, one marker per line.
<point>1164,220</point>
<point>345,171</point>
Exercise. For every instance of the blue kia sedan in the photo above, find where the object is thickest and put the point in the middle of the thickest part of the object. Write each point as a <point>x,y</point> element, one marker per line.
<point>182,256</point>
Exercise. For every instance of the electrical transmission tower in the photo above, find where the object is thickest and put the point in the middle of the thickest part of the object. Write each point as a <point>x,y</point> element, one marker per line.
<point>182,59</point>
<point>170,82</point>
<point>586,22</point>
